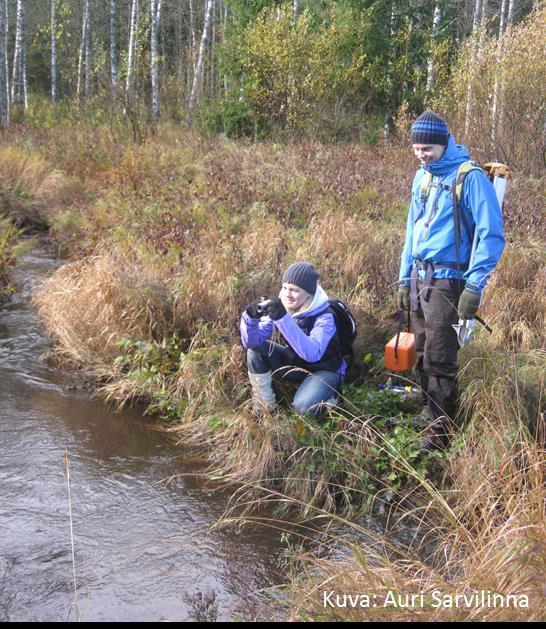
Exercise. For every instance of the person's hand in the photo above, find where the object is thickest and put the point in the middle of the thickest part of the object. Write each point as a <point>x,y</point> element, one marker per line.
<point>403,297</point>
<point>252,309</point>
<point>276,309</point>
<point>469,302</point>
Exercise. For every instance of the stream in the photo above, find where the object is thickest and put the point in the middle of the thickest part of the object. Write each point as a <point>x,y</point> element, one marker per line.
<point>143,548</point>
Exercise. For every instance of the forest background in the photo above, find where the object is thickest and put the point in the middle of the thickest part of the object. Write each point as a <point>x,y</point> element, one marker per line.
<point>180,153</point>
<point>333,70</point>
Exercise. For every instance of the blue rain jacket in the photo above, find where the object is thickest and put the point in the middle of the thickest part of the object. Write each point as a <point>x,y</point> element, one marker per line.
<point>430,234</point>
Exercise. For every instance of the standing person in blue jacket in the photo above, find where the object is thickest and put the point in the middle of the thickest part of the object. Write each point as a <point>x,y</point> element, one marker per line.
<point>441,280</point>
<point>309,353</point>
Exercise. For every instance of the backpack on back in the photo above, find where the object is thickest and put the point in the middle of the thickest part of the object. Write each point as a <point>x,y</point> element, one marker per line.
<point>346,328</point>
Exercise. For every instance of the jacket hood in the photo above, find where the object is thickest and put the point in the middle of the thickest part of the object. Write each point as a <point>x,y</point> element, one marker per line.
<point>318,304</point>
<point>453,157</point>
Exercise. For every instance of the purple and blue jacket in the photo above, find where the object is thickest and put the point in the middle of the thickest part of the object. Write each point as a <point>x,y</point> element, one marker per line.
<point>311,334</point>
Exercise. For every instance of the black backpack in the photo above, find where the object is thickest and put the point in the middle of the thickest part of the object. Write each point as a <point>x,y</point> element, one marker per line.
<point>346,328</point>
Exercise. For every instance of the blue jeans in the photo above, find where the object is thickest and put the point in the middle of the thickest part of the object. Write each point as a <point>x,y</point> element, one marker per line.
<point>314,388</point>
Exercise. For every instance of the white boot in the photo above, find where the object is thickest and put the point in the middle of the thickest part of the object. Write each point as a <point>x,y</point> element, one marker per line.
<point>332,402</point>
<point>263,396</point>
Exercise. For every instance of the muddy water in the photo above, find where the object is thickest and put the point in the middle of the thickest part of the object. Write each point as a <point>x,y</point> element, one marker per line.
<point>141,546</point>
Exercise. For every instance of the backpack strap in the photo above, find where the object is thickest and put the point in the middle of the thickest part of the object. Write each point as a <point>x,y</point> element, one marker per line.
<point>426,181</point>
<point>457,193</point>
<point>459,217</point>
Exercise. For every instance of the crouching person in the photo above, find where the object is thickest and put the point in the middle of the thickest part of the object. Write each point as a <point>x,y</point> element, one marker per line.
<point>309,353</point>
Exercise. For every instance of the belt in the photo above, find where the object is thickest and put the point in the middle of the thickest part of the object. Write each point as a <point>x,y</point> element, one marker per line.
<point>428,268</point>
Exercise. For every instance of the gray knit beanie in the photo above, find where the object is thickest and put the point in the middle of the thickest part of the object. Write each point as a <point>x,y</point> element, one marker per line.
<point>302,274</point>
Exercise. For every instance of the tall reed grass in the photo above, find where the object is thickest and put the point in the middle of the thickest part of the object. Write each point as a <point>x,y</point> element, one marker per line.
<point>11,245</point>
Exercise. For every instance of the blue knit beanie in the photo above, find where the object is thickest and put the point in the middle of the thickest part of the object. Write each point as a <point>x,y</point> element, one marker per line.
<point>302,274</point>
<point>429,128</point>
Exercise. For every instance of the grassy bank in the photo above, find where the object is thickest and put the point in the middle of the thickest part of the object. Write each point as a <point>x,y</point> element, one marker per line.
<point>170,240</point>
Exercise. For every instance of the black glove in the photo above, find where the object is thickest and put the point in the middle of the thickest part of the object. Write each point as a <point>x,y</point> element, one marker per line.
<point>469,302</point>
<point>403,298</point>
<point>276,310</point>
<point>252,309</point>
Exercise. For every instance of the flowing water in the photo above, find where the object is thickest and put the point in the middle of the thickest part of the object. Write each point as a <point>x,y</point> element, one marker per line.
<point>142,547</point>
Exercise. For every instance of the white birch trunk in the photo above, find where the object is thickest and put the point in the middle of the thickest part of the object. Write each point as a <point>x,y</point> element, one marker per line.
<point>483,23</point>
<point>225,16</point>
<point>192,33</point>
<point>88,61</point>
<point>212,46</point>
<point>496,89</point>
<point>387,122</point>
<point>8,91</point>
<point>113,43</point>
<point>510,18</point>
<point>81,56</point>
<point>18,85</point>
<point>473,57</point>
<point>155,9</point>
<point>4,99</point>
<point>132,47</point>
<point>500,121</point>
<point>296,6</point>
<point>434,36</point>
<point>54,50</point>
<point>199,68</point>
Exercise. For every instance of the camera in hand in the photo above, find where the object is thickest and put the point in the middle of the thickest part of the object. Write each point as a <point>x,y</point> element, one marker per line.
<point>262,307</point>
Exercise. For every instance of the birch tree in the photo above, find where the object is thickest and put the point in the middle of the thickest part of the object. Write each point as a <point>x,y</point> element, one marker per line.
<point>84,59</point>
<point>53,50</point>
<point>4,81</point>
<point>88,59</point>
<point>296,6</point>
<point>19,79</point>
<point>225,17</point>
<point>133,34</point>
<point>8,91</point>
<point>499,123</point>
<point>510,18</point>
<point>390,80</point>
<point>200,67</point>
<point>473,57</point>
<point>498,66</point>
<point>155,9</point>
<point>113,43</point>
<point>192,33</point>
<point>434,37</point>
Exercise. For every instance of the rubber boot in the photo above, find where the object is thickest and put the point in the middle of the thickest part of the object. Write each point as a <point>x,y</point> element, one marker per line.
<point>263,396</point>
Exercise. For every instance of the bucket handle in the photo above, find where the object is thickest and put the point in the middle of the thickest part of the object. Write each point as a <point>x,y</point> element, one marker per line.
<point>400,326</point>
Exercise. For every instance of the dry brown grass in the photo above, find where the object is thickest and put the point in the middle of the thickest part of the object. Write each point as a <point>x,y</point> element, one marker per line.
<point>89,306</point>
<point>31,188</point>
<point>516,304</point>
